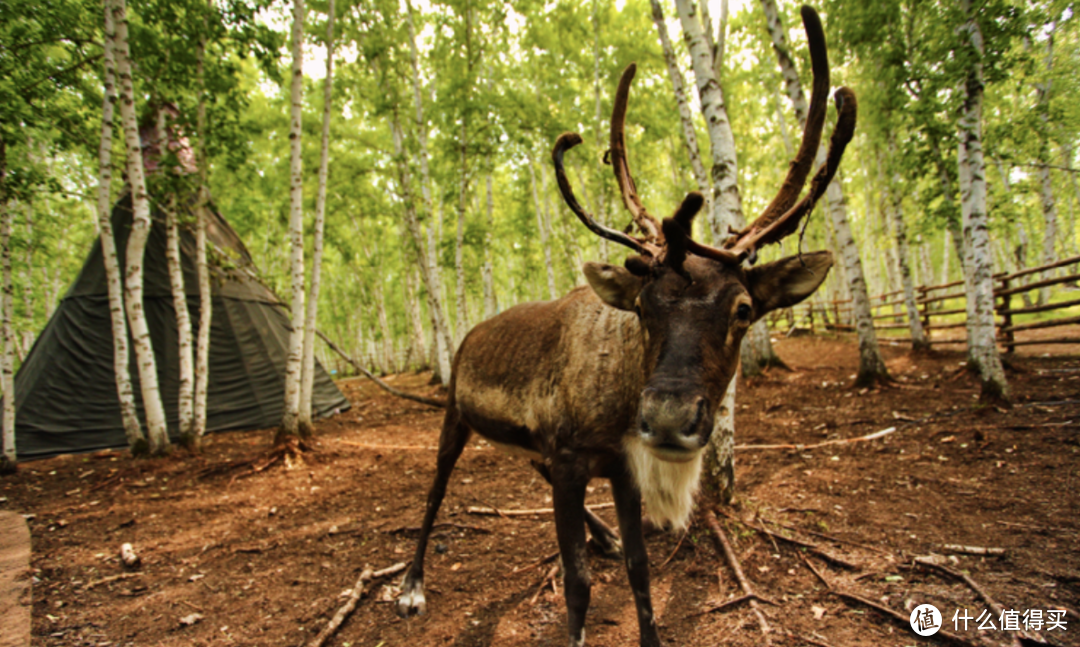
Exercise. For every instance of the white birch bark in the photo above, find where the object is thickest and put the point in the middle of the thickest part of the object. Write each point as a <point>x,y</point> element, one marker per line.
<point>444,346</point>
<point>307,375</point>
<point>726,212</point>
<point>896,213</point>
<point>871,364</point>
<point>386,343</point>
<point>491,305</point>
<point>1070,246</point>
<point>460,304</point>
<point>202,271</point>
<point>7,365</point>
<point>156,431</point>
<point>290,421</point>
<point>28,278</point>
<point>678,86</point>
<point>981,334</point>
<point>542,226</point>
<point>126,397</point>
<point>601,193</point>
<point>418,355</point>
<point>1046,193</point>
<point>183,316</point>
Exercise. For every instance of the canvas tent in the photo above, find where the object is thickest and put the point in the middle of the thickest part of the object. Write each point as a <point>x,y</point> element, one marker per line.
<point>65,391</point>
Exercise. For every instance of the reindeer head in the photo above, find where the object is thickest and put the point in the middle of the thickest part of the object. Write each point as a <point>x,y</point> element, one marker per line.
<point>695,302</point>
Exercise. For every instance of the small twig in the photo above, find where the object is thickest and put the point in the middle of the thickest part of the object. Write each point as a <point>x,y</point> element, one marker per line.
<point>539,562</point>
<point>543,583</point>
<point>358,590</point>
<point>802,544</point>
<point>972,584</point>
<point>905,621</point>
<point>815,571</point>
<point>733,602</point>
<point>193,606</point>
<point>829,537</point>
<point>677,547</point>
<point>733,561</point>
<point>492,511</point>
<point>107,580</point>
<point>808,641</point>
<point>459,526</point>
<point>841,441</point>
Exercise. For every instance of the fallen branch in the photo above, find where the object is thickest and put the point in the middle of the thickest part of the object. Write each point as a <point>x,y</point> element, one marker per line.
<point>842,441</point>
<point>107,580</point>
<point>808,641</point>
<point>748,597</point>
<point>550,577</point>
<point>733,561</point>
<point>905,621</point>
<point>499,512</point>
<point>814,548</point>
<point>358,591</point>
<point>677,547</point>
<point>539,562</point>
<point>972,584</point>
<point>828,537</point>
<point>973,550</point>
<point>815,571</point>
<point>483,531</point>
<point>438,404</point>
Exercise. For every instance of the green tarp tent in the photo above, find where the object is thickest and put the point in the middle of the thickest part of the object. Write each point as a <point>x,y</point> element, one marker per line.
<point>65,391</point>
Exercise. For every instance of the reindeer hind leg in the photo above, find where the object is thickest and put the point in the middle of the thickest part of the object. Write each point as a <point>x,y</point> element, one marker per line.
<point>455,434</point>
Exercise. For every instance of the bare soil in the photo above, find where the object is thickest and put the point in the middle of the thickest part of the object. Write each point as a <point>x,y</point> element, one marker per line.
<point>253,556</point>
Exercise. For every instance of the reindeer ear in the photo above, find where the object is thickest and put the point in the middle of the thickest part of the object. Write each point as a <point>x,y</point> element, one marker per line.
<point>788,281</point>
<point>615,285</point>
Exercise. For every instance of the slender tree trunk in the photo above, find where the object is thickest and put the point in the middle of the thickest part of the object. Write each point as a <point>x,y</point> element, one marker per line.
<point>183,316</point>
<point>307,376</point>
<point>895,212</point>
<point>678,85</point>
<point>444,346</point>
<point>542,226</point>
<point>981,335</point>
<point>1019,252</point>
<point>28,278</point>
<point>1049,205</point>
<point>945,246</point>
<point>1070,245</point>
<point>125,395</point>
<point>871,364</point>
<point>491,306</point>
<point>157,433</point>
<point>726,212</point>
<point>7,365</point>
<point>460,303</point>
<point>601,193</point>
<point>202,210</point>
<point>416,321</point>
<point>290,421</point>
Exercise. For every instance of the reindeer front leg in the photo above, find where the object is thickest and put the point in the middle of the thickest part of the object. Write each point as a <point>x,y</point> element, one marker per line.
<point>628,508</point>
<point>569,478</point>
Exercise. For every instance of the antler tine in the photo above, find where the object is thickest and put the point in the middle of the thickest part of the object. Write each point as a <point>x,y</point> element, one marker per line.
<point>763,233</point>
<point>648,225</point>
<point>815,122</point>
<point>565,142</point>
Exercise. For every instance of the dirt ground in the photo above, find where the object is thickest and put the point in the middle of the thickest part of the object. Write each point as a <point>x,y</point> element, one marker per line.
<point>231,556</point>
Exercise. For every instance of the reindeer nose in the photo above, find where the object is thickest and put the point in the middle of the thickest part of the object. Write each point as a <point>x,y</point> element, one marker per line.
<point>671,417</point>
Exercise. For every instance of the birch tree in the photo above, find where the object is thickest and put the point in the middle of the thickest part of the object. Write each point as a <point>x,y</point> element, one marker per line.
<point>157,433</point>
<point>1046,193</point>
<point>290,422</point>
<point>307,383</point>
<point>726,212</point>
<point>982,345</point>
<point>543,227</point>
<point>128,414</point>
<point>872,367</point>
<point>185,400</point>
<point>202,271</point>
<point>895,212</point>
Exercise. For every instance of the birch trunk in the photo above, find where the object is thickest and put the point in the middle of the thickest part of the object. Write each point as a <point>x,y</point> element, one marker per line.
<point>1022,243</point>
<point>183,316</point>
<point>491,306</point>
<point>1049,205</point>
<point>460,304</point>
<point>157,433</point>
<point>128,413</point>
<point>541,225</point>
<point>427,268</point>
<point>1070,246</point>
<point>678,85</point>
<point>601,193</point>
<point>7,371</point>
<point>202,271</point>
<point>28,278</point>
<point>290,421</point>
<point>307,375</point>
<point>981,335</point>
<point>444,346</point>
<point>726,212</point>
<point>871,364</point>
<point>903,253</point>
<point>419,354</point>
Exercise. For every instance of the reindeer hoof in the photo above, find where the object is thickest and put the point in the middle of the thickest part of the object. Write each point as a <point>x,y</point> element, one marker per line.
<point>411,602</point>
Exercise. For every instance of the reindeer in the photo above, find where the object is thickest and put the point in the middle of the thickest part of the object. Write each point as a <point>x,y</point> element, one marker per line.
<point>623,379</point>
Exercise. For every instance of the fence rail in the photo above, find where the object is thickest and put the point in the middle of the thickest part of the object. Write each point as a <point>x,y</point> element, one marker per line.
<point>837,315</point>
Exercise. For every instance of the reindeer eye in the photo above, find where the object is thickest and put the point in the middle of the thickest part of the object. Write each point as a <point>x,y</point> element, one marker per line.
<point>743,312</point>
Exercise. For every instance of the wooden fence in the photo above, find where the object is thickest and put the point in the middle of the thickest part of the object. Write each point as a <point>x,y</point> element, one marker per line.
<point>942,308</point>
